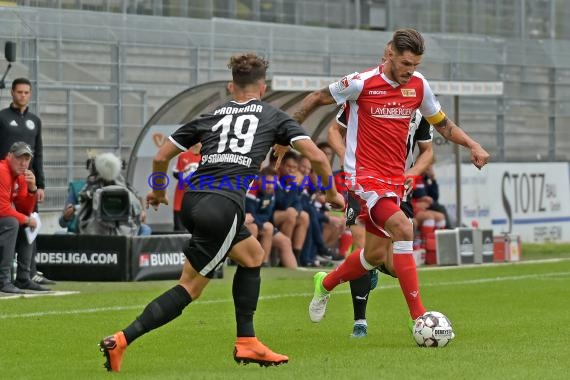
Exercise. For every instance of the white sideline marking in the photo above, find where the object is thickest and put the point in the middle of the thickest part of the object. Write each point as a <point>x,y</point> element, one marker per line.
<point>52,293</point>
<point>463,266</point>
<point>472,266</point>
<point>278,296</point>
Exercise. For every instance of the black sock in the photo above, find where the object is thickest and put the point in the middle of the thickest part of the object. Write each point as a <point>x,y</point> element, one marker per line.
<point>384,269</point>
<point>160,311</point>
<point>245,291</point>
<point>360,289</point>
<point>297,253</point>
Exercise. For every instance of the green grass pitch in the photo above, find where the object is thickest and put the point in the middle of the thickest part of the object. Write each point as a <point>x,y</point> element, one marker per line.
<point>512,321</point>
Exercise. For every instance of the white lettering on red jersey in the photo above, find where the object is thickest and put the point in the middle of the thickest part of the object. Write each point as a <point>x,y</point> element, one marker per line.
<point>379,117</point>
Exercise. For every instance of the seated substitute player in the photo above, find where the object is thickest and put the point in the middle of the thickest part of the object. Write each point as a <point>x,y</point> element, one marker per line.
<point>289,216</point>
<point>420,133</point>
<point>236,138</point>
<point>186,164</point>
<point>259,207</point>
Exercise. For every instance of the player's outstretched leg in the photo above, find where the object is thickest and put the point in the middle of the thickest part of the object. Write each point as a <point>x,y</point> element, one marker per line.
<point>160,311</point>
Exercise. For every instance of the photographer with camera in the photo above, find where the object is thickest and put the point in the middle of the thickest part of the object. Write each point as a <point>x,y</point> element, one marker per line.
<point>107,204</point>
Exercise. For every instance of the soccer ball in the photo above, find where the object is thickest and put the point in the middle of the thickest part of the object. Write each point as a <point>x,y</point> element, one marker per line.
<point>433,329</point>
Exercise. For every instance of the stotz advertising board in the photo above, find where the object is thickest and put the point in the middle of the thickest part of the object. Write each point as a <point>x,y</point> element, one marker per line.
<point>527,199</point>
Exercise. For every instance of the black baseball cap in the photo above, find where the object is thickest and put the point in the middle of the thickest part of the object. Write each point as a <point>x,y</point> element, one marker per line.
<point>20,148</point>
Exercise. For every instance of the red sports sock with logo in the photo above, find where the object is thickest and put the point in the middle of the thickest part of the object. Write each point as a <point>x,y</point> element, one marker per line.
<point>405,268</point>
<point>350,269</point>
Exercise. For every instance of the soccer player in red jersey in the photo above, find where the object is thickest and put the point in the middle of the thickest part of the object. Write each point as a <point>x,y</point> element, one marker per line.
<point>382,100</point>
<point>186,164</point>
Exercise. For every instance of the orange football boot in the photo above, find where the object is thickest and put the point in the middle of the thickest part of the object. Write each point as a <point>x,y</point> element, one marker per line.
<point>114,347</point>
<point>250,350</point>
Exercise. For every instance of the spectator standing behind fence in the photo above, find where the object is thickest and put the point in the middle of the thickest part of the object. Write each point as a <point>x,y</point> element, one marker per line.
<point>17,123</point>
<point>186,164</point>
<point>17,201</point>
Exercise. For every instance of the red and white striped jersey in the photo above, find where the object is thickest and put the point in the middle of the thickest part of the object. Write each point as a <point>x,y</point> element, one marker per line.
<point>379,118</point>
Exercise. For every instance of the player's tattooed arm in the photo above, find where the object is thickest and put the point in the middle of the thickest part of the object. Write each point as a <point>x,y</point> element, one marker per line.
<point>311,102</point>
<point>445,128</point>
<point>453,133</point>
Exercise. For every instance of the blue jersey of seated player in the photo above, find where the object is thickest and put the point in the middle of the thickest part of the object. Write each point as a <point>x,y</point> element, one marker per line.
<point>288,196</point>
<point>261,206</point>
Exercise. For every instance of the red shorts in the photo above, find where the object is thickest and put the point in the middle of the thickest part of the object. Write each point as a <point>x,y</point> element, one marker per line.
<point>370,191</point>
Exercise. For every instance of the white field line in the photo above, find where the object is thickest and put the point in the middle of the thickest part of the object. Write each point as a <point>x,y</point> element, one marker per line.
<point>52,293</point>
<point>474,266</point>
<point>456,267</point>
<point>278,296</point>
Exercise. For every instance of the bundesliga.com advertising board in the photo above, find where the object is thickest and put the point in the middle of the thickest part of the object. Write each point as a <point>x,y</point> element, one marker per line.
<point>527,199</point>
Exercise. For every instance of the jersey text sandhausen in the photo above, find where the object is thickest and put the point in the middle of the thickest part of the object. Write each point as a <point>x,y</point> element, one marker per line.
<point>227,158</point>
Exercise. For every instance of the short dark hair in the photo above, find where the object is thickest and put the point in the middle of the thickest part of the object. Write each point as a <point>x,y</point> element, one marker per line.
<point>408,40</point>
<point>290,155</point>
<point>247,68</point>
<point>18,81</point>
<point>268,170</point>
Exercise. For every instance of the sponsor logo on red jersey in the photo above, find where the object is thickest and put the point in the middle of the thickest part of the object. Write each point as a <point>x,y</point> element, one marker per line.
<point>391,111</point>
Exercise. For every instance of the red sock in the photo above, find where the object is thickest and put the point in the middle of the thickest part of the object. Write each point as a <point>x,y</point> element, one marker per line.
<point>344,242</point>
<point>427,227</point>
<point>350,269</point>
<point>440,224</point>
<point>405,268</point>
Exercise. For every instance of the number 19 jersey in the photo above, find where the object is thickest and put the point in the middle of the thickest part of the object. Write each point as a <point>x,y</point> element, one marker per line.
<point>235,140</point>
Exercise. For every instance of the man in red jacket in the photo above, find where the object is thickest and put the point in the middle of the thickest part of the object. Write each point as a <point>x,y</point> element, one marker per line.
<point>17,201</point>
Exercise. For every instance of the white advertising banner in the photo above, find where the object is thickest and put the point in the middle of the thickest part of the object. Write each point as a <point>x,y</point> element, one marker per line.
<point>527,199</point>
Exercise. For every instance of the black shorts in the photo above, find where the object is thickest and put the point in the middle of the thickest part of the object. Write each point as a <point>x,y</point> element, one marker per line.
<point>216,224</point>
<point>407,208</point>
<point>353,209</point>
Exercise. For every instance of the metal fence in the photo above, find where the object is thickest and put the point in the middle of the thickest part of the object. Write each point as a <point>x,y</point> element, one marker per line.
<point>98,77</point>
<point>505,18</point>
